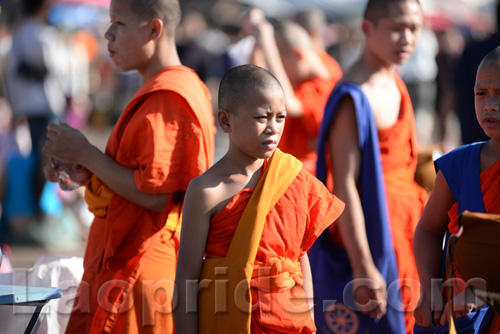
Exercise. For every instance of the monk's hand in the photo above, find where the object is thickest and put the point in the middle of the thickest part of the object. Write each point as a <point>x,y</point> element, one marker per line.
<point>50,171</point>
<point>463,304</point>
<point>257,26</point>
<point>65,143</point>
<point>429,310</point>
<point>78,174</point>
<point>369,289</point>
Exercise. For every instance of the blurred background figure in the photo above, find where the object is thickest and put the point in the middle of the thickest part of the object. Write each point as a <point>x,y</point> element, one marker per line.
<point>314,21</point>
<point>419,75</point>
<point>35,84</point>
<point>447,127</point>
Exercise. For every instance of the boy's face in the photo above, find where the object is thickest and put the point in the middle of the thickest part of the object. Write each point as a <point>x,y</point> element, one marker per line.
<point>393,37</point>
<point>127,38</point>
<point>257,125</point>
<point>487,98</point>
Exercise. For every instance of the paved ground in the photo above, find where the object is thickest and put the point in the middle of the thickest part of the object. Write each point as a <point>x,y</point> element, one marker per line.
<point>24,256</point>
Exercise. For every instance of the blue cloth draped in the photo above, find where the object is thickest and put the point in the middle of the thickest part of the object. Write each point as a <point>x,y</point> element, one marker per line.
<point>331,271</point>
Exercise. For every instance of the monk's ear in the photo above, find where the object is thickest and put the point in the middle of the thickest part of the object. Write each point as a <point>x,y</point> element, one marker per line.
<point>156,29</point>
<point>299,53</point>
<point>223,117</point>
<point>366,26</point>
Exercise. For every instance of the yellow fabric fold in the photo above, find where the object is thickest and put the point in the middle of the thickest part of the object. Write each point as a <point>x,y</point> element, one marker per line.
<point>98,196</point>
<point>174,219</point>
<point>228,309</point>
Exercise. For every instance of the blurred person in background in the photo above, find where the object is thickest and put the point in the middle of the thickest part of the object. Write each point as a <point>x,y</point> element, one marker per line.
<point>419,75</point>
<point>35,73</point>
<point>314,21</point>
<point>451,44</point>
<point>307,75</point>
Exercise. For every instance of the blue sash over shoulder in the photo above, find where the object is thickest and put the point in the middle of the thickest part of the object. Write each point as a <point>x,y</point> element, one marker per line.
<point>461,170</point>
<point>331,271</point>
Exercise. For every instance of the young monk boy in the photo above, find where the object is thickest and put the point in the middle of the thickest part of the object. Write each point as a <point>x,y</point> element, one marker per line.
<point>253,215</point>
<point>307,75</point>
<point>367,145</point>
<point>468,179</point>
<point>163,139</point>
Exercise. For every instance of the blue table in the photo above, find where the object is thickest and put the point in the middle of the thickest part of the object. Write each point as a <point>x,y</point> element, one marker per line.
<point>28,296</point>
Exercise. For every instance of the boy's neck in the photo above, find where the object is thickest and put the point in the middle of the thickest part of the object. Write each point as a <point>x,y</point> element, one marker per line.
<point>494,148</point>
<point>164,56</point>
<point>376,66</point>
<point>364,70</point>
<point>240,164</point>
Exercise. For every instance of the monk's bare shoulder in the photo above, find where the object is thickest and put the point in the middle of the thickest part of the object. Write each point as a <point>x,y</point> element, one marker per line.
<point>205,190</point>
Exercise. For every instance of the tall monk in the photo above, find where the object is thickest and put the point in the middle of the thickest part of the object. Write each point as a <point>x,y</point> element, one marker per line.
<point>249,221</point>
<point>163,139</point>
<point>307,75</point>
<point>468,179</point>
<point>367,146</point>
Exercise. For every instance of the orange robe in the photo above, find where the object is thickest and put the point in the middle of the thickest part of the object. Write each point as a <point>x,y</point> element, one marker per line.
<point>304,210</point>
<point>490,188</point>
<point>301,133</point>
<point>166,134</point>
<point>405,199</point>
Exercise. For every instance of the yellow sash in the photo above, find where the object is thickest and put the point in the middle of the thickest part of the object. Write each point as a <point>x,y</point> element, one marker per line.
<point>224,299</point>
<point>98,196</point>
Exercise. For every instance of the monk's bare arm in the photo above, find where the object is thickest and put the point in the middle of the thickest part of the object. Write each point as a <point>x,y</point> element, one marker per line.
<point>308,285</point>
<point>427,247</point>
<point>70,145</point>
<point>263,32</point>
<point>196,217</point>
<point>346,162</point>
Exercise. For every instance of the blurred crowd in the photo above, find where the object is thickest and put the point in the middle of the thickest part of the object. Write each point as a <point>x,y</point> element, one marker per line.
<point>54,67</point>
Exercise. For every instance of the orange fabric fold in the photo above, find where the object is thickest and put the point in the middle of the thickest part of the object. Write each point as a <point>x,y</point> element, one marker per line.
<point>301,133</point>
<point>276,274</point>
<point>490,188</point>
<point>98,196</point>
<point>166,135</point>
<point>405,198</point>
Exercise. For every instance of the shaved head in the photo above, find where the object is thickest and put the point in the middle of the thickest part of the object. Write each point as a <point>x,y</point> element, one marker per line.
<point>239,84</point>
<point>291,35</point>
<point>376,9</point>
<point>492,58</point>
<point>167,10</point>
<point>311,18</point>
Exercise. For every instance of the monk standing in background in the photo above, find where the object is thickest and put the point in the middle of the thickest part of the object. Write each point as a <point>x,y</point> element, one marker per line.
<point>249,221</point>
<point>163,139</point>
<point>307,75</point>
<point>368,147</point>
